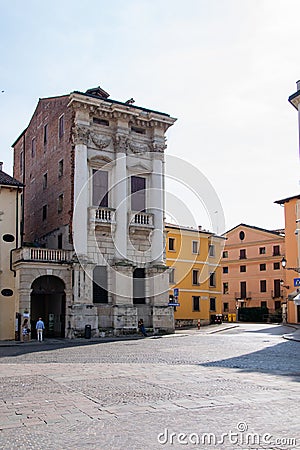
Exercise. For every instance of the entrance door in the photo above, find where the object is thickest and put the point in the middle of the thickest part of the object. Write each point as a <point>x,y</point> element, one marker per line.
<point>48,301</point>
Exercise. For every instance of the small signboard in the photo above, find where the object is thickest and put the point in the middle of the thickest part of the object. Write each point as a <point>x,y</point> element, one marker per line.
<point>176,292</point>
<point>296,282</point>
<point>174,304</point>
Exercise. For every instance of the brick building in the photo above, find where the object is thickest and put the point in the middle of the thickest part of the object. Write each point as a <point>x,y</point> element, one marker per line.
<point>93,209</point>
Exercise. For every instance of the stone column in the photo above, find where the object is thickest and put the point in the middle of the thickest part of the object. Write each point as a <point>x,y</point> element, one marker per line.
<point>81,194</point>
<point>157,209</point>
<point>120,196</point>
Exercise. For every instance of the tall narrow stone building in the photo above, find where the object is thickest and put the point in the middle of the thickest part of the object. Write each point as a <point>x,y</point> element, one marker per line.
<point>93,215</point>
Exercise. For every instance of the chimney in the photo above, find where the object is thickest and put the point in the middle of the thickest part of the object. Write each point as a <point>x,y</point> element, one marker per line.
<point>1,165</point>
<point>298,85</point>
<point>199,228</point>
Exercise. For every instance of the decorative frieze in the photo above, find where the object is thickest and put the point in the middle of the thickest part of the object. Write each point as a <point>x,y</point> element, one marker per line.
<point>99,141</point>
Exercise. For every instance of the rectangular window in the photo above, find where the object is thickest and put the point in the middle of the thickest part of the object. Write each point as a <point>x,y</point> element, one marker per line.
<point>262,267</point>
<point>195,277</point>
<point>277,305</point>
<point>225,254</point>
<point>277,289</point>
<point>45,212</point>
<point>276,266</point>
<point>45,181</point>
<point>225,307</point>
<point>195,247</point>
<point>212,279</point>
<point>138,193</point>
<point>59,241</point>
<point>196,303</point>
<point>262,250</point>
<point>60,203</point>
<point>211,250</point>
<point>171,275</point>
<point>263,286</point>
<point>225,269</point>
<point>45,134</point>
<point>100,188</point>
<point>33,148</point>
<point>225,288</point>
<point>60,168</point>
<point>243,269</point>
<point>263,304</point>
<point>100,294</point>
<point>138,130</point>
<point>21,161</point>
<point>171,242</point>
<point>139,286</point>
<point>276,250</point>
<point>243,288</point>
<point>243,254</point>
<point>212,304</point>
<point>61,126</point>
<point>99,121</point>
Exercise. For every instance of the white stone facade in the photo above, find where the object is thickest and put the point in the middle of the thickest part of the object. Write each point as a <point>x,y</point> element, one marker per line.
<point>109,270</point>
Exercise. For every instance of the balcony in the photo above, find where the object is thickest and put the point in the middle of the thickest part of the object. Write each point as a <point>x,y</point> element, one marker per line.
<point>243,295</point>
<point>141,219</point>
<point>45,255</point>
<point>101,216</point>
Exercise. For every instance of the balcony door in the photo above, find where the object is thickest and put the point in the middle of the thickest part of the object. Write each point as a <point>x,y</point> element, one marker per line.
<point>138,194</point>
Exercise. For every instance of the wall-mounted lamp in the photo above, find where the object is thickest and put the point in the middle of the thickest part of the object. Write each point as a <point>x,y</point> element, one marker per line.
<point>284,263</point>
<point>283,285</point>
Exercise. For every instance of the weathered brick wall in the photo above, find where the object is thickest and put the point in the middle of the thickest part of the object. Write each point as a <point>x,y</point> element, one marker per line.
<point>45,160</point>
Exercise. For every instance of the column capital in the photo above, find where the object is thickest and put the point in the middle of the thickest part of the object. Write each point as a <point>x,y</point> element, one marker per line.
<point>158,146</point>
<point>121,143</point>
<point>80,135</point>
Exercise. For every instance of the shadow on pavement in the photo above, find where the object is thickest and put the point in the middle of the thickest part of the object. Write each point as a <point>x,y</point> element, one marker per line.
<point>17,348</point>
<point>269,360</point>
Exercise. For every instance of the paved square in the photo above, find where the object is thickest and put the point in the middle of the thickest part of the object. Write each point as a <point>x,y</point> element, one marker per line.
<point>237,389</point>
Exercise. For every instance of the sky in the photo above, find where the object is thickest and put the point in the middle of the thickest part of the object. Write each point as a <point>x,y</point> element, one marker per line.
<point>223,68</point>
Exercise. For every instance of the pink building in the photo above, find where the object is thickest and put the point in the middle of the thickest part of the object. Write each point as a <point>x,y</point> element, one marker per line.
<point>252,275</point>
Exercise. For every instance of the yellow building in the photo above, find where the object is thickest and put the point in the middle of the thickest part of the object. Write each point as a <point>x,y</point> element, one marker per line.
<point>10,229</point>
<point>292,255</point>
<point>193,258</point>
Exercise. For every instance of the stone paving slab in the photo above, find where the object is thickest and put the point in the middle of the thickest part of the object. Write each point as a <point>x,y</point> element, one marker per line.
<point>204,384</point>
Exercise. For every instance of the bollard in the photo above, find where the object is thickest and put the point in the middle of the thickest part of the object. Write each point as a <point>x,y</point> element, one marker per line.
<point>198,324</point>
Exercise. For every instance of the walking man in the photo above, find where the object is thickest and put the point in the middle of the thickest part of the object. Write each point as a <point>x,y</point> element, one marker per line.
<point>39,329</point>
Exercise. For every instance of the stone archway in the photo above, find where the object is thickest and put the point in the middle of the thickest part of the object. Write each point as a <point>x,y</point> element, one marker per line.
<point>48,300</point>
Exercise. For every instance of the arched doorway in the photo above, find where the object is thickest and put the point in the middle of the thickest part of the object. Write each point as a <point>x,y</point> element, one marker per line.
<point>48,300</point>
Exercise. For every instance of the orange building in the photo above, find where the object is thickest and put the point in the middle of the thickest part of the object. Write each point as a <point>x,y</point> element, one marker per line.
<point>292,254</point>
<point>193,257</point>
<point>252,274</point>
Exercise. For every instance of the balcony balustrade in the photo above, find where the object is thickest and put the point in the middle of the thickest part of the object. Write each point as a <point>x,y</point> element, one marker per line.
<point>46,255</point>
<point>101,216</point>
<point>141,219</point>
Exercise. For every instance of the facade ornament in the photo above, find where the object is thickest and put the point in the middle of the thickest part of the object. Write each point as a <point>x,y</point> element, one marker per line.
<point>137,147</point>
<point>80,135</point>
<point>121,143</point>
<point>158,147</point>
<point>100,141</point>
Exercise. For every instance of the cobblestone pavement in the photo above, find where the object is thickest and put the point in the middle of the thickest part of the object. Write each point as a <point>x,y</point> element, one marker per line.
<point>242,383</point>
